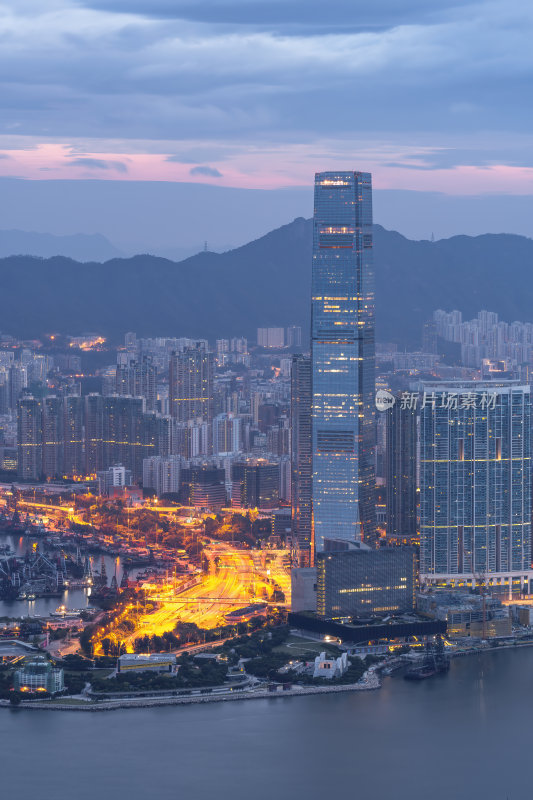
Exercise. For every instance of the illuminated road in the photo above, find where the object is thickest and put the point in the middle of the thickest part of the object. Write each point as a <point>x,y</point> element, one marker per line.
<point>235,583</point>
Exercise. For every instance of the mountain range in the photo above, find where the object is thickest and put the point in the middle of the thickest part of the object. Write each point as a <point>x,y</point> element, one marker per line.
<point>79,246</point>
<point>265,282</point>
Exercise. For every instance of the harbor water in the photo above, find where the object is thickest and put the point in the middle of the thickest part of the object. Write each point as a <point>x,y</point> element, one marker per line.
<point>459,736</point>
<point>79,597</point>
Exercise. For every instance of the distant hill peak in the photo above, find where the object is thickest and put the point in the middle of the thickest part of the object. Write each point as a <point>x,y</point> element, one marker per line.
<point>81,247</point>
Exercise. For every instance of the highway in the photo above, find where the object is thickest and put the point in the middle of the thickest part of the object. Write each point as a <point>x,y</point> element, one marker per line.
<point>232,583</point>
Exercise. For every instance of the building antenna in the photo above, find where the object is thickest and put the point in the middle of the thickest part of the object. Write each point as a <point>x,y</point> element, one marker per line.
<point>205,246</point>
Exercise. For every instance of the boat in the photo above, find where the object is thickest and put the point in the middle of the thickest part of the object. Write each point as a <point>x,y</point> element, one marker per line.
<point>64,612</point>
<point>436,662</point>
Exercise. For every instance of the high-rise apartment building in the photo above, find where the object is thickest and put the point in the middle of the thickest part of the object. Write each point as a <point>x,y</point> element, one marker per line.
<point>162,474</point>
<point>123,434</point>
<point>271,337</point>
<point>227,433</point>
<point>30,438</point>
<point>138,379</point>
<point>73,436</point>
<point>191,384</point>
<point>18,380</point>
<point>294,336</point>
<point>4,390</point>
<point>301,478</point>
<point>342,356</point>
<point>52,427</point>
<point>475,483</point>
<point>94,433</point>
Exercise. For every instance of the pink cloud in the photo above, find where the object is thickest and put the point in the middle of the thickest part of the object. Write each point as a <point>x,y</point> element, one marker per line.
<point>267,167</point>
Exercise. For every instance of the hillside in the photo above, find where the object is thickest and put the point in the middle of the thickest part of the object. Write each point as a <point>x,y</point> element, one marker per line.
<point>80,246</point>
<point>265,282</point>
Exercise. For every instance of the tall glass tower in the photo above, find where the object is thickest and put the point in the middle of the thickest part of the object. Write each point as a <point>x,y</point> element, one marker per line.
<point>475,483</point>
<point>342,356</point>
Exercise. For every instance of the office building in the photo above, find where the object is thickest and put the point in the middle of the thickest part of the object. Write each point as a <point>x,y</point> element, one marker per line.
<point>361,582</point>
<point>342,356</point>
<point>475,484</point>
<point>255,484</point>
<point>400,470</point>
<point>203,486</point>
<point>301,478</point>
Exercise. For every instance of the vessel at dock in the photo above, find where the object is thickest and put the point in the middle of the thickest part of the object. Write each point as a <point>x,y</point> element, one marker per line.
<point>435,662</point>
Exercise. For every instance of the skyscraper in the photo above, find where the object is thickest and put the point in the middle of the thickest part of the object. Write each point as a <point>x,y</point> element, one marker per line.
<point>191,379</point>
<point>123,434</point>
<point>400,470</point>
<point>52,426</point>
<point>94,434</point>
<point>255,483</point>
<point>301,483</point>
<point>73,435</point>
<point>30,438</point>
<point>475,483</point>
<point>342,357</point>
<point>138,379</point>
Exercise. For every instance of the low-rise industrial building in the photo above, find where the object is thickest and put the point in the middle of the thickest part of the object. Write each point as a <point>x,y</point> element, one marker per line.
<point>467,614</point>
<point>153,662</point>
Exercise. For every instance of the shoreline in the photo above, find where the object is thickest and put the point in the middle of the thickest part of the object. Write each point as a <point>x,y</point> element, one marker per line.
<point>371,682</point>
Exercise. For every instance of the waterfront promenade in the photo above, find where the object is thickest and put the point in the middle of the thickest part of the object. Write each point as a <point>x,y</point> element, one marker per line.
<point>370,681</point>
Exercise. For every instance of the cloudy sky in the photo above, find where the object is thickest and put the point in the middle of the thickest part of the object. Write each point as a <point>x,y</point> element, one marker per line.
<point>429,95</point>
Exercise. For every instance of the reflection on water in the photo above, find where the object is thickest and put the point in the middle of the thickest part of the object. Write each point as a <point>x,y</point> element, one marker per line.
<point>408,741</point>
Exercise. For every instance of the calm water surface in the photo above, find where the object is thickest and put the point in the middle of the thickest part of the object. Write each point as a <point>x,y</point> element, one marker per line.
<point>464,735</point>
<point>71,598</point>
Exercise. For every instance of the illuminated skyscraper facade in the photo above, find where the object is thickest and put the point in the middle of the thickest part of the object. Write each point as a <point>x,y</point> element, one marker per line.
<point>301,478</point>
<point>342,355</point>
<point>191,383</point>
<point>30,438</point>
<point>475,483</point>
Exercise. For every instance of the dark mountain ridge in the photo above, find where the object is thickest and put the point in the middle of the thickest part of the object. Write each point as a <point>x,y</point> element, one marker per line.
<point>265,282</point>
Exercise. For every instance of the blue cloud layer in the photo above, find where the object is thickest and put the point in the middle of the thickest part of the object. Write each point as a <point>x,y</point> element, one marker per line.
<point>277,72</point>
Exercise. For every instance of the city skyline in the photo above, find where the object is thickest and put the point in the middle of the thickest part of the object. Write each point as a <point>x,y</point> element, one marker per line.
<point>266,363</point>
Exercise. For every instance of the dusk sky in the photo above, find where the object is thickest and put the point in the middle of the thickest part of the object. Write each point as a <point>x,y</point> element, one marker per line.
<point>259,94</point>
